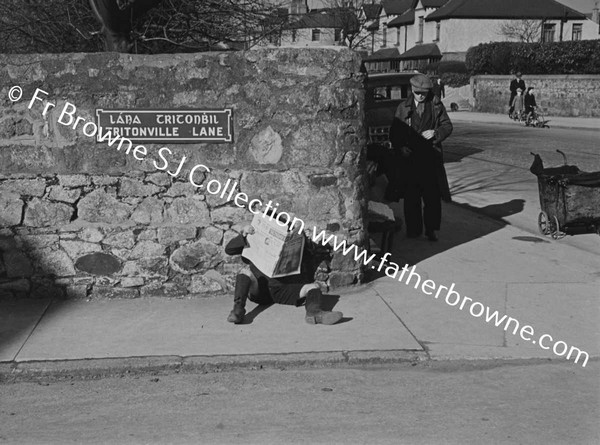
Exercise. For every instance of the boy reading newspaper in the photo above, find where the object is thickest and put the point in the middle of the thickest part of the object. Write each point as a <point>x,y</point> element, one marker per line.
<point>275,256</point>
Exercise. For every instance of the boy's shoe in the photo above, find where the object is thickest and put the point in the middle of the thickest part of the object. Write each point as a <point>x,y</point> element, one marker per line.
<point>236,315</point>
<point>324,317</point>
<point>314,313</point>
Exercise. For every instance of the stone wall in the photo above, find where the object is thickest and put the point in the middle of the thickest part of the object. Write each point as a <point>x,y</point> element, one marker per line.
<point>569,95</point>
<point>81,219</point>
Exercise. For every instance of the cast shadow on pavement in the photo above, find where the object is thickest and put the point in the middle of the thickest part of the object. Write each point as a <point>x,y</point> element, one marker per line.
<point>328,303</point>
<point>457,153</point>
<point>461,224</point>
<point>23,301</point>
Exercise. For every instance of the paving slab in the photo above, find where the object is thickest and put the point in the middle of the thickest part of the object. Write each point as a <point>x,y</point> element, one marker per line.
<point>475,247</point>
<point>432,320</point>
<point>151,327</point>
<point>17,321</point>
<point>569,312</point>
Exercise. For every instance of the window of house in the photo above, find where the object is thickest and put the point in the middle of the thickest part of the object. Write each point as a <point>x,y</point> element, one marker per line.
<point>548,31</point>
<point>294,36</point>
<point>384,34</point>
<point>316,35</point>
<point>398,36</point>
<point>577,28</point>
<point>438,26</point>
<point>275,38</point>
<point>337,35</point>
<point>421,25</point>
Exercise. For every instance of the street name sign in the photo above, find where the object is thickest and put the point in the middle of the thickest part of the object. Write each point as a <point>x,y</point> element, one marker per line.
<point>158,126</point>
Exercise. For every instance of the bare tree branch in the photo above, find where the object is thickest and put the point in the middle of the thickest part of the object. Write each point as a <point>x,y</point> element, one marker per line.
<point>528,31</point>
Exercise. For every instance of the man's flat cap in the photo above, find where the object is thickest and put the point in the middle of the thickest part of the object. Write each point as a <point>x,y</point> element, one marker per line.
<point>421,82</point>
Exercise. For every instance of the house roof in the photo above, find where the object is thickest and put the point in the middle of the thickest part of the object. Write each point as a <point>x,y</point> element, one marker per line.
<point>327,18</point>
<point>505,9</point>
<point>397,7</point>
<point>424,51</point>
<point>384,54</point>
<point>433,3</point>
<point>372,11</point>
<point>408,18</point>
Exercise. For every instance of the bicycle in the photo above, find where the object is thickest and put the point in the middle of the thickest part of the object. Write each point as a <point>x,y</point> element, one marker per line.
<point>536,119</point>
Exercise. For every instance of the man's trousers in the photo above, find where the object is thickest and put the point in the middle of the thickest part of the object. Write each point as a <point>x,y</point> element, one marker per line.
<point>422,206</point>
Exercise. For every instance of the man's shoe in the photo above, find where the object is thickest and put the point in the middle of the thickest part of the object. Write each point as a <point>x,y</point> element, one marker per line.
<point>431,236</point>
<point>236,315</point>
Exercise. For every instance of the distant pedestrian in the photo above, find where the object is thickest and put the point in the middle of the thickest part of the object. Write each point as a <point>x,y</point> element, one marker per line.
<point>515,84</point>
<point>439,89</point>
<point>418,129</point>
<point>518,104</point>
<point>530,103</point>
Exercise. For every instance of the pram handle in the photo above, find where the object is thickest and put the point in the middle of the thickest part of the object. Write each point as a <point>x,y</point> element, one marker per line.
<point>563,155</point>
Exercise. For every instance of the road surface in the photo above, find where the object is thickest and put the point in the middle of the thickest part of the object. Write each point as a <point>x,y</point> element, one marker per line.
<point>429,403</point>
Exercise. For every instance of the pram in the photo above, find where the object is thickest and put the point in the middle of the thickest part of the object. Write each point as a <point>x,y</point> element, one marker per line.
<point>569,199</point>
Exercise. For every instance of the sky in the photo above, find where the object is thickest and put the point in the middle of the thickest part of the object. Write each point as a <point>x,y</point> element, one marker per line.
<point>584,6</point>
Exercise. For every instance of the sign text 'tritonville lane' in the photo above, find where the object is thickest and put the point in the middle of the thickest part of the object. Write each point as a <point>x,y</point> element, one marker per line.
<point>177,126</point>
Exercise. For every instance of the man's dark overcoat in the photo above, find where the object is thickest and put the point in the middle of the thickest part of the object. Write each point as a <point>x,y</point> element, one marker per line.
<point>426,161</point>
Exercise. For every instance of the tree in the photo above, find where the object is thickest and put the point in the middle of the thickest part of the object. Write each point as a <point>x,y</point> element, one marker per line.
<point>353,20</point>
<point>528,31</point>
<point>141,26</point>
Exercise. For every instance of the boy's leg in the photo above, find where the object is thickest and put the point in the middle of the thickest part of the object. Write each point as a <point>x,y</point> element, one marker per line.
<point>314,313</point>
<point>245,283</point>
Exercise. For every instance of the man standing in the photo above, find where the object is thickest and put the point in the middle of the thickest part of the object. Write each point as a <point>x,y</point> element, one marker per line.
<point>419,127</point>
<point>515,84</point>
<point>439,89</point>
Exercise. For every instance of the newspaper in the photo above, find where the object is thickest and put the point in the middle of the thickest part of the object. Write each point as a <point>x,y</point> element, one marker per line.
<point>273,249</point>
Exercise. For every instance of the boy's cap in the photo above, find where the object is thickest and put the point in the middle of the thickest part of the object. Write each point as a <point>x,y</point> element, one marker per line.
<point>519,90</point>
<point>421,83</point>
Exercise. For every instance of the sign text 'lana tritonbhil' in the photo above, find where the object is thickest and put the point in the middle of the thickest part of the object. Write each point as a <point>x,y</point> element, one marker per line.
<point>178,126</point>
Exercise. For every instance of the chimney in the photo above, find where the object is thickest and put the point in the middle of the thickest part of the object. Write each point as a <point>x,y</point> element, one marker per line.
<point>595,16</point>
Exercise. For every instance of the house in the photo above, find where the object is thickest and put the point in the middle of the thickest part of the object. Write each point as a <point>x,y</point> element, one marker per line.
<point>398,48</point>
<point>312,23</point>
<point>320,27</point>
<point>456,25</point>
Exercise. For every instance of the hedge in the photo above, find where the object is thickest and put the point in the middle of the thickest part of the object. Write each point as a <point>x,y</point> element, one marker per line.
<point>455,80</point>
<point>572,57</point>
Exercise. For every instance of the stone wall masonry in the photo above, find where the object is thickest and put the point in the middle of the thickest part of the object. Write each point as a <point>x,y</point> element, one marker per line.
<point>80,219</point>
<point>568,95</point>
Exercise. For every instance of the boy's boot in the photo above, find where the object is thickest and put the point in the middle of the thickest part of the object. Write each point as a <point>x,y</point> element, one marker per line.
<point>242,287</point>
<point>314,313</point>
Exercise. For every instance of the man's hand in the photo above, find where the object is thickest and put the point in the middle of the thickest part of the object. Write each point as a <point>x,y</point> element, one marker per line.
<point>428,134</point>
<point>405,151</point>
<point>247,230</point>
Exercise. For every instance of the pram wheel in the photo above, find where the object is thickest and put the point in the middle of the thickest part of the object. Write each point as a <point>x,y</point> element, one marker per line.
<point>543,223</point>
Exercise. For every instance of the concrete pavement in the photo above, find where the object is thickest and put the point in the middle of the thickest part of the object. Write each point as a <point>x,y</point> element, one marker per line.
<point>553,286</point>
<point>542,283</point>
